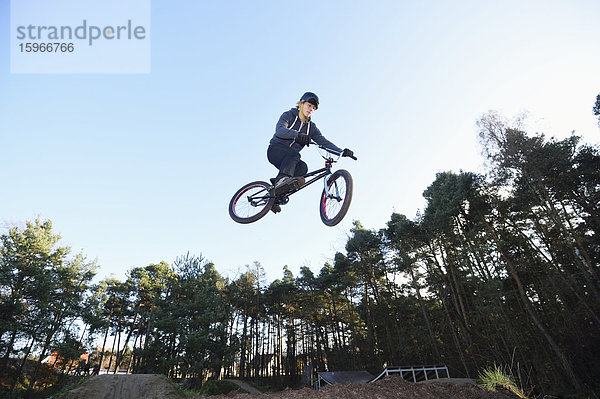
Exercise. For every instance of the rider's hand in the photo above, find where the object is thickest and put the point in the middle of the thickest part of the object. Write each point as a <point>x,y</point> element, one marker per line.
<point>347,153</point>
<point>302,139</point>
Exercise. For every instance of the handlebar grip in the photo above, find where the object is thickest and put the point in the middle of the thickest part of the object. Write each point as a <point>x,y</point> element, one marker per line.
<point>353,157</point>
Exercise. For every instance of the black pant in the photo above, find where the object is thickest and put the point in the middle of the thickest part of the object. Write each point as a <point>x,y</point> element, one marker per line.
<point>287,160</point>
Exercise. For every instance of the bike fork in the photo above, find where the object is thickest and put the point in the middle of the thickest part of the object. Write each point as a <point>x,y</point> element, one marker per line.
<point>327,193</point>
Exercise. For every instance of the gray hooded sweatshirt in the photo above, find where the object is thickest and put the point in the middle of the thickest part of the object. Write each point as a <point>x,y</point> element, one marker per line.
<point>290,125</point>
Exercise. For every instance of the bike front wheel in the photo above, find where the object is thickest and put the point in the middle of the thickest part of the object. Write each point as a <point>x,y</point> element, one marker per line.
<point>251,202</point>
<point>333,207</point>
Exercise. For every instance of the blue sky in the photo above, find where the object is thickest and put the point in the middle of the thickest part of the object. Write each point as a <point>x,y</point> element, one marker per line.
<point>134,169</point>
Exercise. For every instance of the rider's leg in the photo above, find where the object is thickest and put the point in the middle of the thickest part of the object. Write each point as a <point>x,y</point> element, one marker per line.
<point>301,168</point>
<point>287,160</point>
<point>284,178</point>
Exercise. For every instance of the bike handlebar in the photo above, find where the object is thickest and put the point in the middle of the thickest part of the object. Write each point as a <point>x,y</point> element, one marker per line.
<point>334,152</point>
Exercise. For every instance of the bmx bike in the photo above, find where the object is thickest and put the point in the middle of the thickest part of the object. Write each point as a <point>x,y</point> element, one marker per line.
<point>254,200</point>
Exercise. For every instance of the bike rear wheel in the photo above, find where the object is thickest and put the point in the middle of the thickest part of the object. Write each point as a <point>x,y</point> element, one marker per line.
<point>251,202</point>
<point>333,207</point>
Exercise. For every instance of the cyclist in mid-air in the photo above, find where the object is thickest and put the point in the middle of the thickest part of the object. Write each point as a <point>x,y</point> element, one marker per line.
<point>294,131</point>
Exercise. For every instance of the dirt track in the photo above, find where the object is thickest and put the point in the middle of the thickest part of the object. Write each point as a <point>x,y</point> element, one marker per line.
<point>153,386</point>
<point>386,388</point>
<point>132,386</point>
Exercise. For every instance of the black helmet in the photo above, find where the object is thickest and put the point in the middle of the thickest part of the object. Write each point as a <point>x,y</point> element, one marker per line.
<point>311,98</point>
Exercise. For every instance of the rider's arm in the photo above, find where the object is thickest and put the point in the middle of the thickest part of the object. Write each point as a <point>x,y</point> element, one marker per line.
<point>282,129</point>
<point>316,135</point>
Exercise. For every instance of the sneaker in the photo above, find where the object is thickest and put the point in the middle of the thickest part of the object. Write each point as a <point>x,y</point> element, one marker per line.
<point>286,183</point>
<point>276,208</point>
<point>281,181</point>
<point>279,184</point>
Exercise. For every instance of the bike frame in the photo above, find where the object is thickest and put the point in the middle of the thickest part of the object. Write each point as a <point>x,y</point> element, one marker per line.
<point>319,173</point>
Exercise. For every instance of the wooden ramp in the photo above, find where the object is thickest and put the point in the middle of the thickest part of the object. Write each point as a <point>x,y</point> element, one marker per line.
<point>343,377</point>
<point>409,373</point>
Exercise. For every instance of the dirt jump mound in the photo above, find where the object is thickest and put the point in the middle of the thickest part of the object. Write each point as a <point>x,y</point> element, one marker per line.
<point>386,388</point>
<point>129,386</point>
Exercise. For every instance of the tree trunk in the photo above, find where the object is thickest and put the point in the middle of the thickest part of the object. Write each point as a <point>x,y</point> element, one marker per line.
<point>566,365</point>
<point>279,345</point>
<point>422,307</point>
<point>20,372</point>
<point>243,346</point>
<point>122,353</point>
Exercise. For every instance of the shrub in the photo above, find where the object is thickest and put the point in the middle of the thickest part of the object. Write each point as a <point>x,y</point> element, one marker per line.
<point>214,387</point>
<point>493,377</point>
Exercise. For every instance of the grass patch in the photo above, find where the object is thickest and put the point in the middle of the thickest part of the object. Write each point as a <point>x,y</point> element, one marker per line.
<point>493,377</point>
<point>209,388</point>
<point>63,391</point>
<point>263,386</point>
<point>215,387</point>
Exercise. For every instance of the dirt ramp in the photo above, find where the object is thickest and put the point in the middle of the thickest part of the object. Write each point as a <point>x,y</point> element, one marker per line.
<point>385,388</point>
<point>127,386</point>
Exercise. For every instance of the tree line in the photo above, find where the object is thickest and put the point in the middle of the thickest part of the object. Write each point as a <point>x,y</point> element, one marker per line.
<point>498,268</point>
